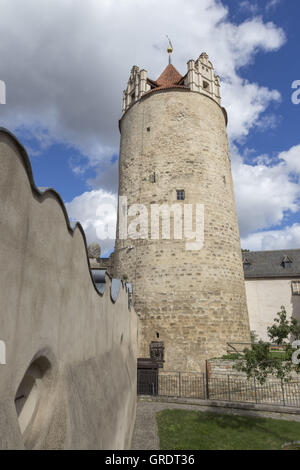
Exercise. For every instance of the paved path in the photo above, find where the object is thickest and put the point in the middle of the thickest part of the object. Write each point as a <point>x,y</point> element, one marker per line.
<point>145,435</point>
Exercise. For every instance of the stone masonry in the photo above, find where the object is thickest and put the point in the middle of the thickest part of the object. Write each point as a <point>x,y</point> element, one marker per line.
<point>194,302</point>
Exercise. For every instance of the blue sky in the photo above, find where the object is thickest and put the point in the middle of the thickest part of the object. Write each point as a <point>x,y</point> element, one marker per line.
<point>53,169</point>
<point>276,70</point>
<point>66,69</point>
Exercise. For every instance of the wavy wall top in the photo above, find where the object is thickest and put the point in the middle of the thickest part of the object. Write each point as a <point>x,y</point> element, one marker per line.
<point>115,284</point>
<point>69,381</point>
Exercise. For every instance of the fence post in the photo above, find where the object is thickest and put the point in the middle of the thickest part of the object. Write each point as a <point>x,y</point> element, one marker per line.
<point>207,381</point>
<point>255,391</point>
<point>229,387</point>
<point>283,395</point>
<point>179,384</point>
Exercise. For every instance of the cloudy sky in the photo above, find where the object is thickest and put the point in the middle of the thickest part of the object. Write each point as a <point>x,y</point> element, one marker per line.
<point>66,62</point>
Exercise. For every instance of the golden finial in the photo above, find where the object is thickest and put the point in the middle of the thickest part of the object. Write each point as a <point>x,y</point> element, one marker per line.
<point>170,49</point>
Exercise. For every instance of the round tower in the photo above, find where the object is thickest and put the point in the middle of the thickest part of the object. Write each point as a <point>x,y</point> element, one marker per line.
<point>174,159</point>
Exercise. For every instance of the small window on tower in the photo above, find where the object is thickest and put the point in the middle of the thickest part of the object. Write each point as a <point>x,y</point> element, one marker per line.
<point>132,97</point>
<point>152,178</point>
<point>206,86</point>
<point>180,195</point>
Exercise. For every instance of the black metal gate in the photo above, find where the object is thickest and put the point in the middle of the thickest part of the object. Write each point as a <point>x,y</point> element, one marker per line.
<point>147,377</point>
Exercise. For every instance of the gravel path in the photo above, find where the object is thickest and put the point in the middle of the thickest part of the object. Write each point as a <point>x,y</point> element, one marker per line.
<point>145,436</point>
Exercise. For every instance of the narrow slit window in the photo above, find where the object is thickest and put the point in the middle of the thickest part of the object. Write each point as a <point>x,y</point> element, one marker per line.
<point>152,178</point>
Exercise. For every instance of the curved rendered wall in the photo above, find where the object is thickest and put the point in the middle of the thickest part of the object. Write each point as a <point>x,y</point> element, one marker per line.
<point>70,352</point>
<point>193,301</point>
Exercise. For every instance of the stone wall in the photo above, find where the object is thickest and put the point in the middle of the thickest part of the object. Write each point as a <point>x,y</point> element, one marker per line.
<point>192,301</point>
<point>70,376</point>
<point>220,367</point>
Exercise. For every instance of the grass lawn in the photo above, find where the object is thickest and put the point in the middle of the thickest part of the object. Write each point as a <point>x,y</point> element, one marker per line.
<point>196,430</point>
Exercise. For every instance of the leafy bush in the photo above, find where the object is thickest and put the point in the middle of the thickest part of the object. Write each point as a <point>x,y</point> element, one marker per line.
<point>260,361</point>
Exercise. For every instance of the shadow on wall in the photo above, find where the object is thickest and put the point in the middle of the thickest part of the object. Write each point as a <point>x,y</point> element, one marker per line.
<point>31,397</point>
<point>29,391</point>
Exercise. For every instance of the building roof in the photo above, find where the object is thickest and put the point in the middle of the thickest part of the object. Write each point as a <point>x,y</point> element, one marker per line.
<point>170,76</point>
<point>272,264</point>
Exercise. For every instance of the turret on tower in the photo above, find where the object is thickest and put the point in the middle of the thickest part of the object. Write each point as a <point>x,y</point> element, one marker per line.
<point>200,78</point>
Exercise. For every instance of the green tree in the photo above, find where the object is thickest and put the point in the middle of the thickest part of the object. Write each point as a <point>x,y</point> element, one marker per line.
<point>260,361</point>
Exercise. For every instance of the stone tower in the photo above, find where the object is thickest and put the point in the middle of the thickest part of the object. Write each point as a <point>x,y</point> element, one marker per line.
<point>174,150</point>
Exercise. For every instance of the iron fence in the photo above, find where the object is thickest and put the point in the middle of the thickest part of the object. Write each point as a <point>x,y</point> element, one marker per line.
<point>230,388</point>
<point>182,384</point>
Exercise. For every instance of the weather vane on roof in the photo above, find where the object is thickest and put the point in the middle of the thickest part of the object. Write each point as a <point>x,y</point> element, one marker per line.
<point>170,49</point>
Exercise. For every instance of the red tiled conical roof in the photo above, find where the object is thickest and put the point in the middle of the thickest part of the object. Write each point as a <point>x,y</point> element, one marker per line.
<point>170,76</point>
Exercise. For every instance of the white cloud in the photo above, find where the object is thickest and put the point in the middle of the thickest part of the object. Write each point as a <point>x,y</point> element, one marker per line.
<point>251,7</point>
<point>244,103</point>
<point>289,237</point>
<point>272,4</point>
<point>74,58</point>
<point>266,194</point>
<point>97,213</point>
<point>254,7</point>
<point>292,159</point>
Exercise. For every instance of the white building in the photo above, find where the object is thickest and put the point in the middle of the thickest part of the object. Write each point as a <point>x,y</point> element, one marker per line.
<point>272,280</point>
